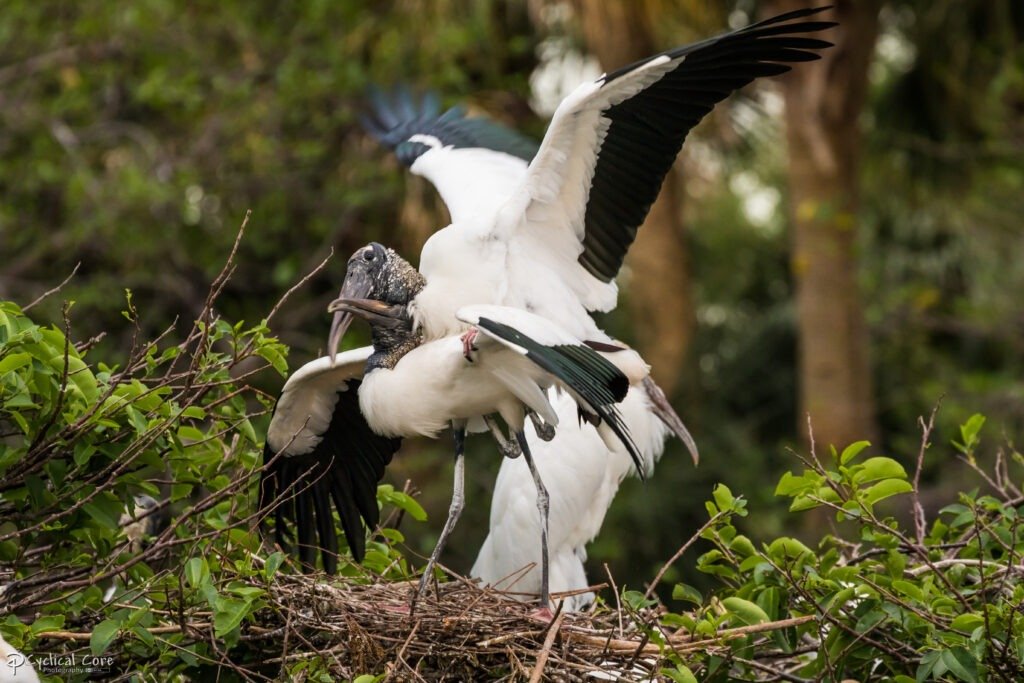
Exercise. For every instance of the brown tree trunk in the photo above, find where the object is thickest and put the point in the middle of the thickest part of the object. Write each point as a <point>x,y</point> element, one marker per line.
<point>824,100</point>
<point>619,32</point>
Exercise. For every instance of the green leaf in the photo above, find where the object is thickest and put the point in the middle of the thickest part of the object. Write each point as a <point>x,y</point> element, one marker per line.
<point>909,589</point>
<point>228,615</point>
<point>723,497</point>
<point>680,674</point>
<point>967,622</point>
<point>852,451</point>
<point>682,591</point>
<point>961,664</point>
<point>884,489</point>
<point>144,635</point>
<point>784,548</point>
<point>877,468</point>
<point>14,361</point>
<point>407,503</point>
<point>636,600</point>
<point>748,612</point>
<point>51,622</point>
<point>197,572</point>
<point>102,635</point>
<point>969,434</point>
<point>791,484</point>
<point>274,563</point>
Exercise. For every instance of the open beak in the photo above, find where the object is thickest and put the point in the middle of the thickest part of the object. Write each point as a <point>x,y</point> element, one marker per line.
<point>374,312</point>
<point>358,285</point>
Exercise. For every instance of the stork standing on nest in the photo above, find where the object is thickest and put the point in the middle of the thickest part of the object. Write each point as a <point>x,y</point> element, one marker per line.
<point>546,229</point>
<point>502,366</point>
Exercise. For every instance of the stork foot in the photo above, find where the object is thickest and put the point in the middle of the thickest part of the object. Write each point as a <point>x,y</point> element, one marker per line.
<point>467,343</point>
<point>509,449</point>
<point>542,614</point>
<point>544,431</point>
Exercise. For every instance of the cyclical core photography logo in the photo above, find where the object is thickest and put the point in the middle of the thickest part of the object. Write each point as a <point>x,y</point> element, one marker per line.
<point>23,668</point>
<point>16,661</point>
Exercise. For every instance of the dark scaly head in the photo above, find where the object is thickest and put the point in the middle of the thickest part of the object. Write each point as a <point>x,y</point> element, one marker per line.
<point>379,284</point>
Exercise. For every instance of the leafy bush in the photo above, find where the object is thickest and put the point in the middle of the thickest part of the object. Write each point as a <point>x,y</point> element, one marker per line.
<point>82,441</point>
<point>875,600</point>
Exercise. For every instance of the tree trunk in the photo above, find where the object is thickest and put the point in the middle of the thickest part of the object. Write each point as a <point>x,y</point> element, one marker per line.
<point>824,100</point>
<point>618,32</point>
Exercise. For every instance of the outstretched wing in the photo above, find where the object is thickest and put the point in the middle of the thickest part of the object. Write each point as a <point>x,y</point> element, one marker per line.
<point>474,163</point>
<point>611,143</point>
<point>320,451</point>
<point>595,382</point>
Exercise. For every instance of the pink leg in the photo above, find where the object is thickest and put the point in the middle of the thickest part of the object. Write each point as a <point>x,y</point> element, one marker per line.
<point>467,343</point>
<point>542,614</point>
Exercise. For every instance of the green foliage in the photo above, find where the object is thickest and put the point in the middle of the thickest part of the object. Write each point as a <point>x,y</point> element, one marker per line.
<point>936,602</point>
<point>81,440</point>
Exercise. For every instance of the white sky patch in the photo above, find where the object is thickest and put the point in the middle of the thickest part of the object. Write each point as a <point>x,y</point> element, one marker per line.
<point>772,101</point>
<point>560,69</point>
<point>738,19</point>
<point>758,201</point>
<point>894,54</point>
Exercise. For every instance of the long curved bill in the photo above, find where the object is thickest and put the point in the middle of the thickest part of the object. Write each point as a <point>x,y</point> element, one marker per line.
<point>377,313</point>
<point>357,286</point>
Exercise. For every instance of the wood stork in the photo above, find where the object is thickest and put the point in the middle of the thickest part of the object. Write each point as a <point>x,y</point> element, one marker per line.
<point>547,230</point>
<point>14,666</point>
<point>502,366</point>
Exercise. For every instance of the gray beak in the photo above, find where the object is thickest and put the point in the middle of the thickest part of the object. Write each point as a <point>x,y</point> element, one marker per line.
<point>358,285</point>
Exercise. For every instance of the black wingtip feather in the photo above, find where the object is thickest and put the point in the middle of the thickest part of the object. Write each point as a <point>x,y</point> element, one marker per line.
<point>647,130</point>
<point>343,469</point>
<point>392,117</point>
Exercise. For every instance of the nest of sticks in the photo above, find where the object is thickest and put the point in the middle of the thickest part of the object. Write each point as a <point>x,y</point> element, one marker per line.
<point>458,631</point>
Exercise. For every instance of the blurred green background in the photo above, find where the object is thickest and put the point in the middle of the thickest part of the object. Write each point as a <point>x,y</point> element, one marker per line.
<point>134,136</point>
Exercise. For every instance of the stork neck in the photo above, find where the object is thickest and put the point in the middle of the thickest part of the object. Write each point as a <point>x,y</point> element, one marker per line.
<point>390,345</point>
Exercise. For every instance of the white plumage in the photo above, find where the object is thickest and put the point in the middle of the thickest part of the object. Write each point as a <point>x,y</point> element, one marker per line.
<point>547,232</point>
<point>583,474</point>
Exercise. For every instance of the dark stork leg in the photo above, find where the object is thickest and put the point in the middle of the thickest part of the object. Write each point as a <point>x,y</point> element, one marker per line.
<point>507,447</point>
<point>545,431</point>
<point>454,510</point>
<point>542,506</point>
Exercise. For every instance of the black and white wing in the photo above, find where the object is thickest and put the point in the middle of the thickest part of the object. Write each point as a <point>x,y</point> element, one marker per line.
<point>321,456</point>
<point>474,163</point>
<point>611,142</point>
<point>594,381</point>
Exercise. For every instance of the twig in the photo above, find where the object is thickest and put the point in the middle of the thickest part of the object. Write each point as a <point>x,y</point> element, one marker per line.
<point>545,650</point>
<point>53,290</point>
<point>919,518</point>
<point>615,590</point>
<point>679,553</point>
<point>309,276</point>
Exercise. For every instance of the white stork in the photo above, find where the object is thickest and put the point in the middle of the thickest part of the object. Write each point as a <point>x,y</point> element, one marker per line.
<point>334,448</point>
<point>547,230</point>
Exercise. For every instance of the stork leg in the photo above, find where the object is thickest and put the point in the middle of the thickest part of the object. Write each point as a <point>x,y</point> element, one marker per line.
<point>508,448</point>
<point>454,510</point>
<point>542,507</point>
<point>544,431</point>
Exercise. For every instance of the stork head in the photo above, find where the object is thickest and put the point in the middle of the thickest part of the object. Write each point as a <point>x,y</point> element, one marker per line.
<point>374,273</point>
